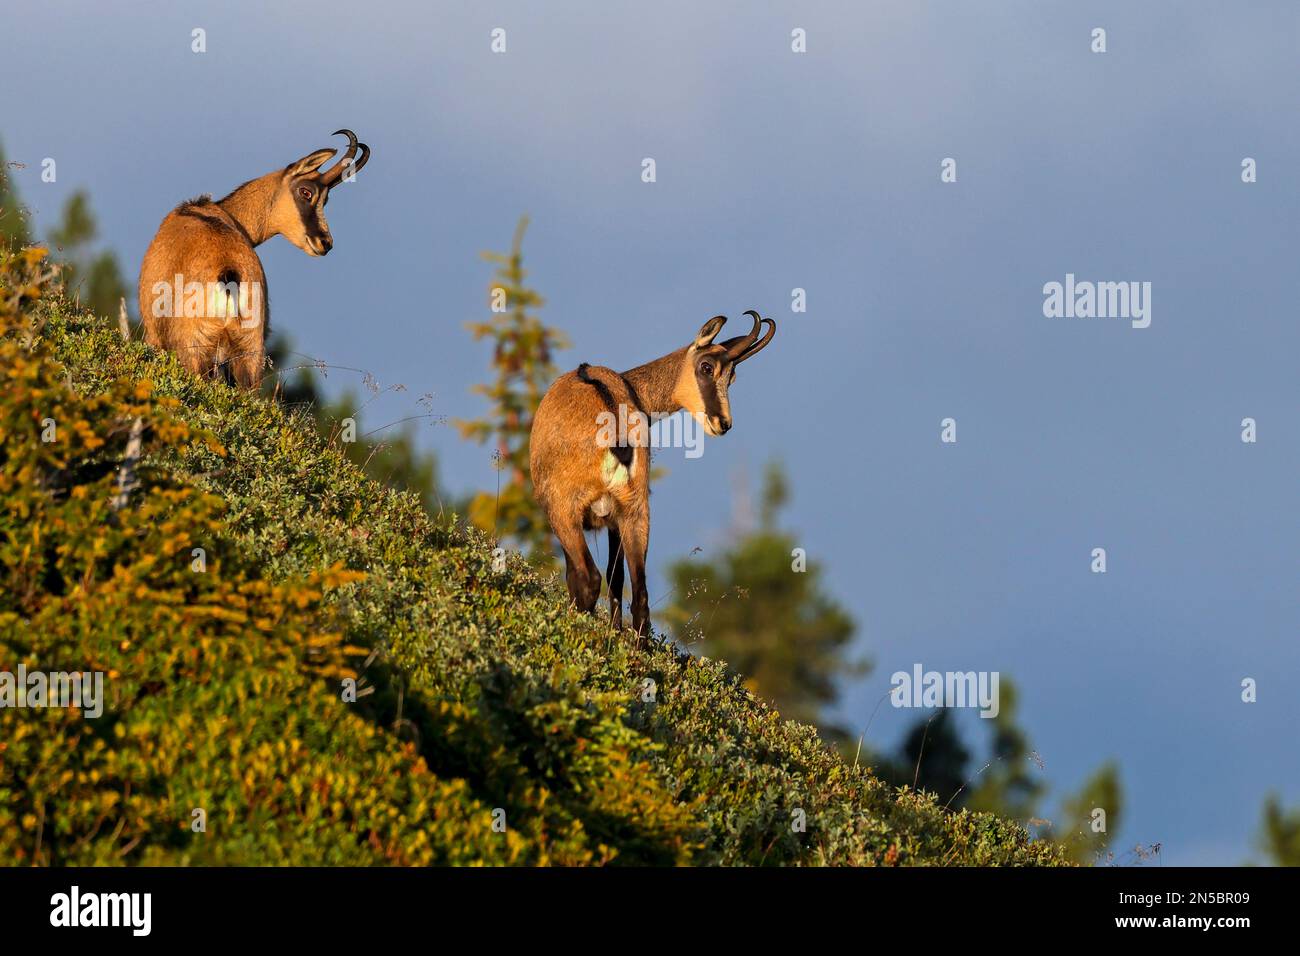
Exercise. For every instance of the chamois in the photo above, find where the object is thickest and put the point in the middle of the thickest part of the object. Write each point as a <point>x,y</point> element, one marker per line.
<point>583,480</point>
<point>202,288</point>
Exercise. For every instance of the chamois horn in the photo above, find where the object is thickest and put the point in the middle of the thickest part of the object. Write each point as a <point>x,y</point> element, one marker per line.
<point>743,346</point>
<point>332,175</point>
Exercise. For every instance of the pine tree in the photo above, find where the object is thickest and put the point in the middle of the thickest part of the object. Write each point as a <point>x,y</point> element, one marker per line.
<point>1075,825</point>
<point>932,758</point>
<point>14,232</point>
<point>94,279</point>
<point>1008,787</point>
<point>760,606</point>
<point>522,347</point>
<point>1009,779</point>
<point>1280,833</point>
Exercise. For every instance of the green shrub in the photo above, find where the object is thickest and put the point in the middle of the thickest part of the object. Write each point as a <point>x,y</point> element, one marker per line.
<point>486,692</point>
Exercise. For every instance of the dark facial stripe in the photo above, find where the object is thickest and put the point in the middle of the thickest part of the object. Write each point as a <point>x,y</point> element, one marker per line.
<point>308,214</point>
<point>708,386</point>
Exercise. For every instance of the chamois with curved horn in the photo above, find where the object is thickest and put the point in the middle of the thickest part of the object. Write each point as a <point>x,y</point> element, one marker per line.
<point>202,287</point>
<point>583,480</point>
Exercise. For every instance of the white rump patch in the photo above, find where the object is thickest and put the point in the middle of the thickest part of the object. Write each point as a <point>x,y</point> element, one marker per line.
<point>612,471</point>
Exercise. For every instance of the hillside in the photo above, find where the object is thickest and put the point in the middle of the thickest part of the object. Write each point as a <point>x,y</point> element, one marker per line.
<point>224,684</point>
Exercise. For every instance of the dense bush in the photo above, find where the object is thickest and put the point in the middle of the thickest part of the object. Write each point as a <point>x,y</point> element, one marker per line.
<point>485,699</point>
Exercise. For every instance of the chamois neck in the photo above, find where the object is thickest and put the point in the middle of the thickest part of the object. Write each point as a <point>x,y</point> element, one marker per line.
<point>655,383</point>
<point>250,206</point>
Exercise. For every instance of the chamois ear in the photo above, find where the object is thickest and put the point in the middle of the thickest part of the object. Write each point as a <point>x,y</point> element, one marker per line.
<point>311,162</point>
<point>709,331</point>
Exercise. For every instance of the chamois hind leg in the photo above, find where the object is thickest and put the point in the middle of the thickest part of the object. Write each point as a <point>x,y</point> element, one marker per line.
<point>246,368</point>
<point>580,570</point>
<point>614,577</point>
<point>634,529</point>
<point>195,354</point>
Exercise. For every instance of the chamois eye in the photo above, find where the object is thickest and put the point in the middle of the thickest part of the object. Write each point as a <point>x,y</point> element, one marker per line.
<point>305,193</point>
<point>706,368</point>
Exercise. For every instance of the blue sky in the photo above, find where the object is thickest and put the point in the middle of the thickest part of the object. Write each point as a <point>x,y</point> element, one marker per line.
<point>819,171</point>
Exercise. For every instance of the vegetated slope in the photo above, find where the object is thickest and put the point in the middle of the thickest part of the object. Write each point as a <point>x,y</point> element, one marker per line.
<point>494,703</point>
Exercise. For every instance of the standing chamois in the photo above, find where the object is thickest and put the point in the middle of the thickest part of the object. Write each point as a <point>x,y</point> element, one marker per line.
<point>202,288</point>
<point>583,480</point>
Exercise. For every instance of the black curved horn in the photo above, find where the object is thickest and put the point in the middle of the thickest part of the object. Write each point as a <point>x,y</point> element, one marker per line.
<point>737,347</point>
<point>760,344</point>
<point>331,176</point>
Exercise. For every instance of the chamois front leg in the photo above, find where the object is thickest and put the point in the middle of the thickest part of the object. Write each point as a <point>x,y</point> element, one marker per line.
<point>580,570</point>
<point>614,576</point>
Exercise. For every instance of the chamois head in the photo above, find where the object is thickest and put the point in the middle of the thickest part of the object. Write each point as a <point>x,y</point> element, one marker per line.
<point>708,370</point>
<point>298,210</point>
